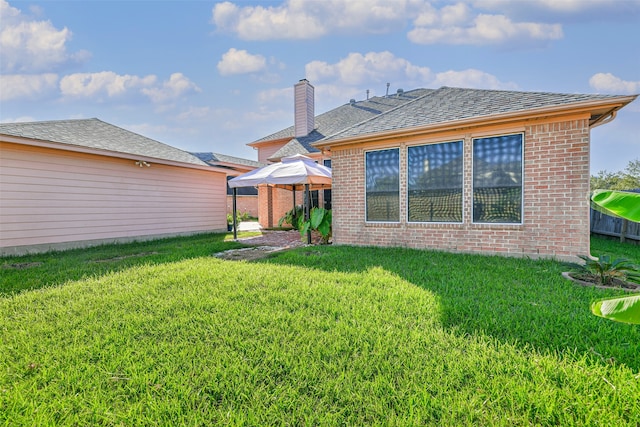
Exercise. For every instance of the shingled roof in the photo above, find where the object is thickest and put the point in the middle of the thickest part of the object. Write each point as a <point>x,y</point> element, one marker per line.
<point>218,159</point>
<point>338,119</point>
<point>96,134</point>
<point>449,104</point>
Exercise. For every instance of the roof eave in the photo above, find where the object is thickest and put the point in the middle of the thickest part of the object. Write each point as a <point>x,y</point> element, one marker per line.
<point>100,152</point>
<point>257,144</point>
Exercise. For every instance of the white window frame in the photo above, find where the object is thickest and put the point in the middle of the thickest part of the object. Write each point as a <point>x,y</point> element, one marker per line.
<point>368,221</point>
<point>522,154</point>
<point>461,140</point>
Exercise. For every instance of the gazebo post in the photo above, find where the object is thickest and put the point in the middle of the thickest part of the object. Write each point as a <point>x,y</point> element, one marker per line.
<point>235,226</point>
<point>307,210</point>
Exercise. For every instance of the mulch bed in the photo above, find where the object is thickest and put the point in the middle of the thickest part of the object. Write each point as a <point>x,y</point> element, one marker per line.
<point>617,284</point>
<point>269,242</point>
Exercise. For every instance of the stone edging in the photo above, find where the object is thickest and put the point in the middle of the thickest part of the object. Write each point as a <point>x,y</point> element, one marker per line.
<point>567,275</point>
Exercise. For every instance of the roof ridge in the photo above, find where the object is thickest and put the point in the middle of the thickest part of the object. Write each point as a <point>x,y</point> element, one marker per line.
<point>97,134</point>
<point>37,122</point>
<point>430,93</point>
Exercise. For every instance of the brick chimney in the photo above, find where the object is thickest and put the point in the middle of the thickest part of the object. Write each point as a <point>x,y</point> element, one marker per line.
<point>304,110</point>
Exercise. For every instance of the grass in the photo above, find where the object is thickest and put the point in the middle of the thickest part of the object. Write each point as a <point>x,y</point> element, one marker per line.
<point>36,271</point>
<point>320,335</point>
<point>613,247</point>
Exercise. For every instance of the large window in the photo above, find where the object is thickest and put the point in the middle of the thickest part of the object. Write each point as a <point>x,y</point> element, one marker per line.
<point>435,182</point>
<point>497,179</point>
<point>382,171</point>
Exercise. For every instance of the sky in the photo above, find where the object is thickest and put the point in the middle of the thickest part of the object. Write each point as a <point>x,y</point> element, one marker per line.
<point>207,76</point>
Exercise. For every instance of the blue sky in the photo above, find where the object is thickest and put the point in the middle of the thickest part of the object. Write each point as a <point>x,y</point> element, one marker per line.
<point>214,76</point>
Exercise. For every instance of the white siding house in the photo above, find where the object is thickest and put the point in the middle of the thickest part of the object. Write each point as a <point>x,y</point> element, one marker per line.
<point>77,183</point>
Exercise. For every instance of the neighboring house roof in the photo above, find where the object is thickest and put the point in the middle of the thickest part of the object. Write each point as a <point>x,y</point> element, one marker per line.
<point>449,104</point>
<point>236,164</point>
<point>217,159</point>
<point>96,134</point>
<point>338,119</point>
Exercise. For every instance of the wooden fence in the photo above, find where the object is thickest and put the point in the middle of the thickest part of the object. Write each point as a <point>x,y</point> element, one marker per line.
<point>617,227</point>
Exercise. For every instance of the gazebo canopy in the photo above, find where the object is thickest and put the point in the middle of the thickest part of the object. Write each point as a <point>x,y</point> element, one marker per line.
<point>291,171</point>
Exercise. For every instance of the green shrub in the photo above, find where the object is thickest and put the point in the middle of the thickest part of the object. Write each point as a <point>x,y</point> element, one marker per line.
<point>320,221</point>
<point>244,216</point>
<point>605,271</point>
<point>292,217</point>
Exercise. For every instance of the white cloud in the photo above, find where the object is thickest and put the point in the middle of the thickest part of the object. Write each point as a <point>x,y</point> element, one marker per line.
<point>471,78</point>
<point>27,45</point>
<point>177,86</point>
<point>457,25</point>
<point>608,83</point>
<point>240,62</point>
<point>24,86</point>
<point>463,22</point>
<point>264,23</point>
<point>309,19</point>
<point>352,76</point>
<point>17,119</point>
<point>357,69</point>
<point>105,83</point>
<point>194,113</point>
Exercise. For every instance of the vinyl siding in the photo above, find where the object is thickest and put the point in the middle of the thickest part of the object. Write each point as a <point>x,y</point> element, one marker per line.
<point>52,196</point>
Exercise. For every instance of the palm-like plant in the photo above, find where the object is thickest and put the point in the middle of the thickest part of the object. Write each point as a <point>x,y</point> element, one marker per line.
<point>604,270</point>
<point>292,217</point>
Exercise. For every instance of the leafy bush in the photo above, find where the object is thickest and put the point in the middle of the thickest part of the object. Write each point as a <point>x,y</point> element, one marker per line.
<point>244,216</point>
<point>292,217</point>
<point>320,221</point>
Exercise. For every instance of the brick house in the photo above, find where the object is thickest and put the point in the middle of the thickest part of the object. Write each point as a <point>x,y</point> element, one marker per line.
<point>76,183</point>
<point>308,129</point>
<point>467,170</point>
<point>247,197</point>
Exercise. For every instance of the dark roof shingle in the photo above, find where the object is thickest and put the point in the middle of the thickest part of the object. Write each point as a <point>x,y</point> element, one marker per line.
<point>340,118</point>
<point>214,158</point>
<point>449,104</point>
<point>96,134</point>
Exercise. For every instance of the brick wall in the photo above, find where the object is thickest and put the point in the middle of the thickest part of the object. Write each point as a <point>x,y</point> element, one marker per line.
<point>555,219</point>
<point>273,203</point>
<point>247,204</point>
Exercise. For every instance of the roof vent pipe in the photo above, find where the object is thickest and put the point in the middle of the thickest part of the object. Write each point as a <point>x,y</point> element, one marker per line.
<point>388,84</point>
<point>304,109</point>
<point>400,92</point>
<point>352,101</point>
<point>367,94</point>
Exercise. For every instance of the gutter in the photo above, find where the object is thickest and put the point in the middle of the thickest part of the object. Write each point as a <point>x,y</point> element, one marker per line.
<point>106,153</point>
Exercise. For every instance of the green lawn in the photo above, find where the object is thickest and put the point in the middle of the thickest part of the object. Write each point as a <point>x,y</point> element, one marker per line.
<point>163,333</point>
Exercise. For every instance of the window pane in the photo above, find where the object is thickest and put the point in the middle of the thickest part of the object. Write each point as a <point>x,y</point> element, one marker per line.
<point>435,182</point>
<point>497,179</point>
<point>382,185</point>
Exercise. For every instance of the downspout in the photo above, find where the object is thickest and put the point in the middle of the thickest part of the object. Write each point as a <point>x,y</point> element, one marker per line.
<point>307,210</point>
<point>605,119</point>
<point>235,225</point>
